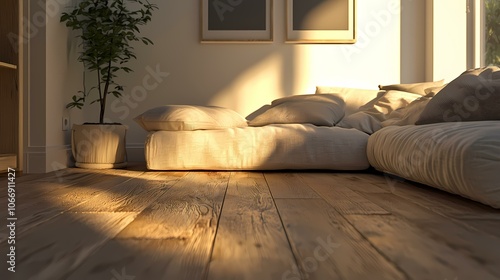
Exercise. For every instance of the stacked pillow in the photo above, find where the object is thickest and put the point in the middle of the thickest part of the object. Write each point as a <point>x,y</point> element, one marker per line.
<point>387,107</point>
<point>319,110</point>
<point>189,117</point>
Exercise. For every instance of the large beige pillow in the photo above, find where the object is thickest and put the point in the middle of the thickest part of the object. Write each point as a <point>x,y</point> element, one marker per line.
<point>320,110</point>
<point>188,117</point>
<point>418,88</point>
<point>473,96</point>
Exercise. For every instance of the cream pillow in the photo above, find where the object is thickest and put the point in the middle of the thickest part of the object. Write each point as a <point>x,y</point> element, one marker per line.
<point>362,121</point>
<point>354,98</point>
<point>418,88</point>
<point>320,110</point>
<point>188,117</point>
<point>372,114</point>
<point>389,102</point>
<point>407,115</point>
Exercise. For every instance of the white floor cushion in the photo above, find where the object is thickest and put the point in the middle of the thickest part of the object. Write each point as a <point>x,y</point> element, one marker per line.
<point>461,158</point>
<point>272,147</point>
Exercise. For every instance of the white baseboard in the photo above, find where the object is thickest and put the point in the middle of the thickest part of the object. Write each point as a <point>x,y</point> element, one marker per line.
<point>48,159</point>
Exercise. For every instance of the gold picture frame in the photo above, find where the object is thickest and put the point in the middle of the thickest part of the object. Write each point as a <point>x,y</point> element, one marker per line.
<point>321,21</point>
<point>236,21</point>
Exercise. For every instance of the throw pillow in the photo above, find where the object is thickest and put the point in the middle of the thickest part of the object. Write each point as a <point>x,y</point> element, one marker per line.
<point>320,110</point>
<point>362,121</point>
<point>418,88</point>
<point>473,96</point>
<point>409,114</point>
<point>372,114</point>
<point>187,117</point>
<point>353,98</point>
<point>389,102</point>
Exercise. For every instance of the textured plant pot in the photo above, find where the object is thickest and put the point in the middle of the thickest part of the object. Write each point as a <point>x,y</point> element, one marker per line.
<point>99,146</point>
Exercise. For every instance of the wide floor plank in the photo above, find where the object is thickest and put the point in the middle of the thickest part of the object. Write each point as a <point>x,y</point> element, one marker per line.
<point>420,256</point>
<point>54,249</point>
<point>250,233</point>
<point>479,216</point>
<point>289,185</point>
<point>458,238</point>
<point>337,193</point>
<point>130,196</point>
<point>188,213</point>
<point>35,210</point>
<point>327,246</point>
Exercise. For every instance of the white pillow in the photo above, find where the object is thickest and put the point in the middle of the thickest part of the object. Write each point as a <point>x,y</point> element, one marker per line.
<point>407,115</point>
<point>353,98</point>
<point>320,110</point>
<point>371,115</point>
<point>418,88</point>
<point>188,117</point>
<point>389,102</point>
<point>362,121</point>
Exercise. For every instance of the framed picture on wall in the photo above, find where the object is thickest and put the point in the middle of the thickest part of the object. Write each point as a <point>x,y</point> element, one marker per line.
<point>236,20</point>
<point>321,21</point>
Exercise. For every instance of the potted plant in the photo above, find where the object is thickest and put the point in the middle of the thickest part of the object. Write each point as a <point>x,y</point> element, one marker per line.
<point>106,28</point>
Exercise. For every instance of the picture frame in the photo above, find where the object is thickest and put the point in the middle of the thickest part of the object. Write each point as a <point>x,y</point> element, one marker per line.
<point>321,21</point>
<point>233,21</point>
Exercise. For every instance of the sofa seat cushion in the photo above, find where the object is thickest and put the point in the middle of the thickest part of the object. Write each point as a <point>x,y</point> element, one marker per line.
<point>461,158</point>
<point>271,147</point>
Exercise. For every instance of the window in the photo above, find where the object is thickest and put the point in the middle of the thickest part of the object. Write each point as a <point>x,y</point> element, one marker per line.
<point>491,32</point>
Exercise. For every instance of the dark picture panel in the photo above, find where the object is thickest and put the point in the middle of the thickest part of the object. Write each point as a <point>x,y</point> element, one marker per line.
<point>320,14</point>
<point>237,15</point>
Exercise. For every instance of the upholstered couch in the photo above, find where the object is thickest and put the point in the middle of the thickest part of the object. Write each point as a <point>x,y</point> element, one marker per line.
<point>404,130</point>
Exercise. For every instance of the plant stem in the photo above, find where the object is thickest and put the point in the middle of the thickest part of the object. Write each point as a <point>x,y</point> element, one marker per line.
<point>106,88</point>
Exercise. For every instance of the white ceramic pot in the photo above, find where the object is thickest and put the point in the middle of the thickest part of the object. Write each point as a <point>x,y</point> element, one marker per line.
<point>99,146</point>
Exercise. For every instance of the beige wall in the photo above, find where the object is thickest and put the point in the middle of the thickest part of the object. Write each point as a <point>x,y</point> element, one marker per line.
<point>238,76</point>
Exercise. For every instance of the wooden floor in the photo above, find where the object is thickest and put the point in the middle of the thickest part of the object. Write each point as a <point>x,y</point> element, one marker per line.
<point>133,224</point>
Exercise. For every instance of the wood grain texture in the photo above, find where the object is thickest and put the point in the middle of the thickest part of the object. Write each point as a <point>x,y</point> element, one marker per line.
<point>479,216</point>
<point>250,234</point>
<point>337,193</point>
<point>459,239</point>
<point>133,195</point>
<point>288,185</point>
<point>188,213</point>
<point>56,248</point>
<point>76,224</point>
<point>358,182</point>
<point>141,259</point>
<point>419,256</point>
<point>327,246</point>
<point>43,206</point>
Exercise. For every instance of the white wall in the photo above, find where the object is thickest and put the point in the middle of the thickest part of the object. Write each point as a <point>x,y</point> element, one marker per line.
<point>239,76</point>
